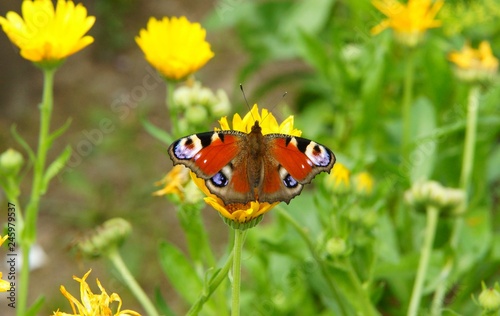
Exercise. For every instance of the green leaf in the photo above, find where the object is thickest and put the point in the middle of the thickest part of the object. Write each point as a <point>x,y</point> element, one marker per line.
<point>56,166</point>
<point>495,251</point>
<point>180,272</point>
<point>23,143</point>
<point>308,16</point>
<point>422,158</point>
<point>162,304</point>
<point>387,240</point>
<point>493,161</point>
<point>58,133</point>
<point>157,132</point>
<point>35,308</point>
<point>313,51</point>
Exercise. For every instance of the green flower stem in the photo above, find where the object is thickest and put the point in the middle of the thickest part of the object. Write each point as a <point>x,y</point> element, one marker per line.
<point>316,256</point>
<point>132,284</point>
<point>239,238</point>
<point>198,244</point>
<point>470,137</point>
<point>439,294</point>
<point>407,101</point>
<point>425,254</point>
<point>28,230</point>
<point>212,286</point>
<point>172,109</point>
<point>465,179</point>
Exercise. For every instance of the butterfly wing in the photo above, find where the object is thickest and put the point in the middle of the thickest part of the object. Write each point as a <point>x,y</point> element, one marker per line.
<point>292,162</point>
<point>217,158</point>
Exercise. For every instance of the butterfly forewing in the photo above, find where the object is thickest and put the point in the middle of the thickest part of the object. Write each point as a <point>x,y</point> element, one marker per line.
<point>205,153</point>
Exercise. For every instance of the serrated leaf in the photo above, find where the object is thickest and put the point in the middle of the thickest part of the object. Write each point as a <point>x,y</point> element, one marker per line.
<point>56,166</point>
<point>180,272</point>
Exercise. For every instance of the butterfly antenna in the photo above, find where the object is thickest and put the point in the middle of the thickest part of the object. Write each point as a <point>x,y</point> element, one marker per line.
<point>271,110</point>
<point>244,96</point>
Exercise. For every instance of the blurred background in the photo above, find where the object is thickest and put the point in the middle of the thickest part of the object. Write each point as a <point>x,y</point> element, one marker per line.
<point>320,52</point>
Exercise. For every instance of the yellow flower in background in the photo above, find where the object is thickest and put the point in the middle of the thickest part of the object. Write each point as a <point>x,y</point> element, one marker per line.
<point>239,212</point>
<point>363,183</point>
<point>174,182</point>
<point>409,21</point>
<point>93,304</point>
<point>475,64</point>
<point>175,47</point>
<point>4,285</point>
<point>339,179</point>
<point>48,34</point>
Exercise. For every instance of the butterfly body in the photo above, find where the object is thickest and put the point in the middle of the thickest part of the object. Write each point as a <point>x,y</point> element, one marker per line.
<point>241,167</point>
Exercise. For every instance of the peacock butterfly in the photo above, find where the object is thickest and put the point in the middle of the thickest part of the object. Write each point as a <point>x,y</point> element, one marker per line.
<point>242,167</point>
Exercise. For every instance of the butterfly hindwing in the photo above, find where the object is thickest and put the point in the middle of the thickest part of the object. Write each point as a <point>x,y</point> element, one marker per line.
<point>298,161</point>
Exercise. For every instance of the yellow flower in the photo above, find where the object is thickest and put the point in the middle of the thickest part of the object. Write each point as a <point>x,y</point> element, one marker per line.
<point>475,64</point>
<point>93,304</point>
<point>4,285</point>
<point>175,47</point>
<point>174,182</point>
<point>364,183</point>
<point>339,180</point>
<point>239,212</point>
<point>47,35</point>
<point>410,21</point>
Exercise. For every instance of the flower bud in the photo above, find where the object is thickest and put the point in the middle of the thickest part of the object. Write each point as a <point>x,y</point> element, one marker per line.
<point>11,162</point>
<point>430,193</point>
<point>192,194</point>
<point>489,299</point>
<point>205,96</point>
<point>336,246</point>
<point>110,235</point>
<point>222,105</point>
<point>182,97</point>
<point>196,114</point>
